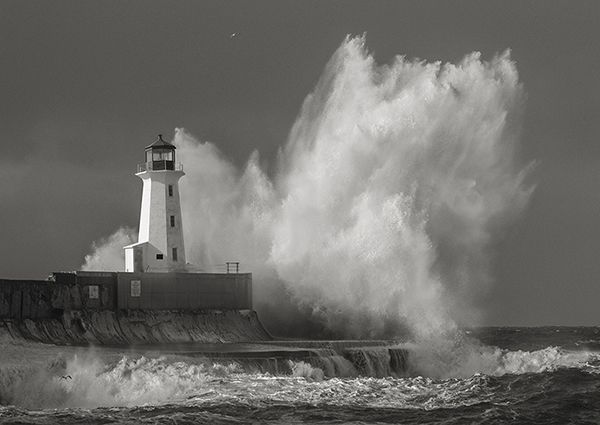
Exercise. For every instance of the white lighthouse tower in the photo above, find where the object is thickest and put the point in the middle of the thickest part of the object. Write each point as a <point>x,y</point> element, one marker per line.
<point>160,241</point>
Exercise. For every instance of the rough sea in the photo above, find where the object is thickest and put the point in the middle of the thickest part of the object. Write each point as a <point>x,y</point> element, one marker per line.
<point>548,375</point>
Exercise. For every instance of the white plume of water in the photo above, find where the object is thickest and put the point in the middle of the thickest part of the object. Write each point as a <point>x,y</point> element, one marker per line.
<point>390,188</point>
<point>107,254</point>
<point>393,183</point>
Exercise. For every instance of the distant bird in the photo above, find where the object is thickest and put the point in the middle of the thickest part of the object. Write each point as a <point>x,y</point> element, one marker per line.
<point>65,377</point>
<point>234,35</point>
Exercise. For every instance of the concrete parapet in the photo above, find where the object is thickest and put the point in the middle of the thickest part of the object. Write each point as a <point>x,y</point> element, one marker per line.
<point>112,291</point>
<point>184,291</point>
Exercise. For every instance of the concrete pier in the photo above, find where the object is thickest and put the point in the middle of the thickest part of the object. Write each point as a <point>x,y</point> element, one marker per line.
<point>131,308</point>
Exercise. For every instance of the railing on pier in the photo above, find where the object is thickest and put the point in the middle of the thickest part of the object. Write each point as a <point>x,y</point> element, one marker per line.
<point>232,267</point>
<point>229,267</point>
<point>162,165</point>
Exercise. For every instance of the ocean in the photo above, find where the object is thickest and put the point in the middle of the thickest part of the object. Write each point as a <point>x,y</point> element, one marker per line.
<point>544,375</point>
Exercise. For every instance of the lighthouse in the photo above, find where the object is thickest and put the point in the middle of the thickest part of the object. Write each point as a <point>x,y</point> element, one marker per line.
<point>160,245</point>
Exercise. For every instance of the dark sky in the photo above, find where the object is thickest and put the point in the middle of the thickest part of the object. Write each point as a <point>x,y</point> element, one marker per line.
<point>85,85</point>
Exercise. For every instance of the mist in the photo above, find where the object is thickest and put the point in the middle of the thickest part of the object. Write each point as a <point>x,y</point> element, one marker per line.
<point>107,253</point>
<point>380,218</point>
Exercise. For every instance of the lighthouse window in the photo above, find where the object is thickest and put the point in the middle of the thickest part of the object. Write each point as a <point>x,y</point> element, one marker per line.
<point>174,254</point>
<point>170,190</point>
<point>172,221</point>
<point>162,155</point>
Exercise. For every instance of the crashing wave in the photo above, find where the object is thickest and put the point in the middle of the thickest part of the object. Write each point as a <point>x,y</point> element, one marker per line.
<point>88,380</point>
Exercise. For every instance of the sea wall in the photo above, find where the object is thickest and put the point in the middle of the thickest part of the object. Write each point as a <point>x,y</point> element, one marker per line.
<point>130,308</point>
<point>139,327</point>
<point>184,291</point>
<point>100,291</point>
<point>26,298</point>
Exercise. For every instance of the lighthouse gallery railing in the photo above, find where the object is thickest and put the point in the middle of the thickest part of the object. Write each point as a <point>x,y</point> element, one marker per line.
<point>159,166</point>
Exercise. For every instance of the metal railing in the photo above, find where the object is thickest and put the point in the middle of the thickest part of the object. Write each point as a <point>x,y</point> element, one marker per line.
<point>162,165</point>
<point>232,267</point>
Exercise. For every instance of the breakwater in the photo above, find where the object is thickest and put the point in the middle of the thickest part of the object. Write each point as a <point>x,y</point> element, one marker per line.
<point>130,308</point>
<point>139,327</point>
<point>311,359</point>
<point>98,291</point>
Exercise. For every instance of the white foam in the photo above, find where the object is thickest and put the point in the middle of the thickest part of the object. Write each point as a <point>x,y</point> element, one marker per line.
<point>87,380</point>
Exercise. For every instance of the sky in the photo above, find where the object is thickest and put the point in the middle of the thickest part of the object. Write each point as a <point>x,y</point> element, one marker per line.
<point>86,85</point>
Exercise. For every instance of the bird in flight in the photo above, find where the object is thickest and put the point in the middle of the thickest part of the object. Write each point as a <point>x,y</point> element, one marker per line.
<point>65,377</point>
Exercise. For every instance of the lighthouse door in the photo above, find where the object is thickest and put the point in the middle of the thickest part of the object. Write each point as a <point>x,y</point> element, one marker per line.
<point>138,259</point>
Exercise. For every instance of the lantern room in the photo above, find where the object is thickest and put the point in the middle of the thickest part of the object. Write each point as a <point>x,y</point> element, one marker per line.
<point>160,155</point>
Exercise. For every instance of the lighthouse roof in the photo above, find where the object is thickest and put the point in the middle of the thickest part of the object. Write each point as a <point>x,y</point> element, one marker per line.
<point>160,143</point>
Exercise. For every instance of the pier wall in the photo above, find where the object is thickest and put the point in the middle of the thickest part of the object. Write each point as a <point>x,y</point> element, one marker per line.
<point>184,291</point>
<point>25,298</point>
<point>113,291</point>
<point>84,327</point>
